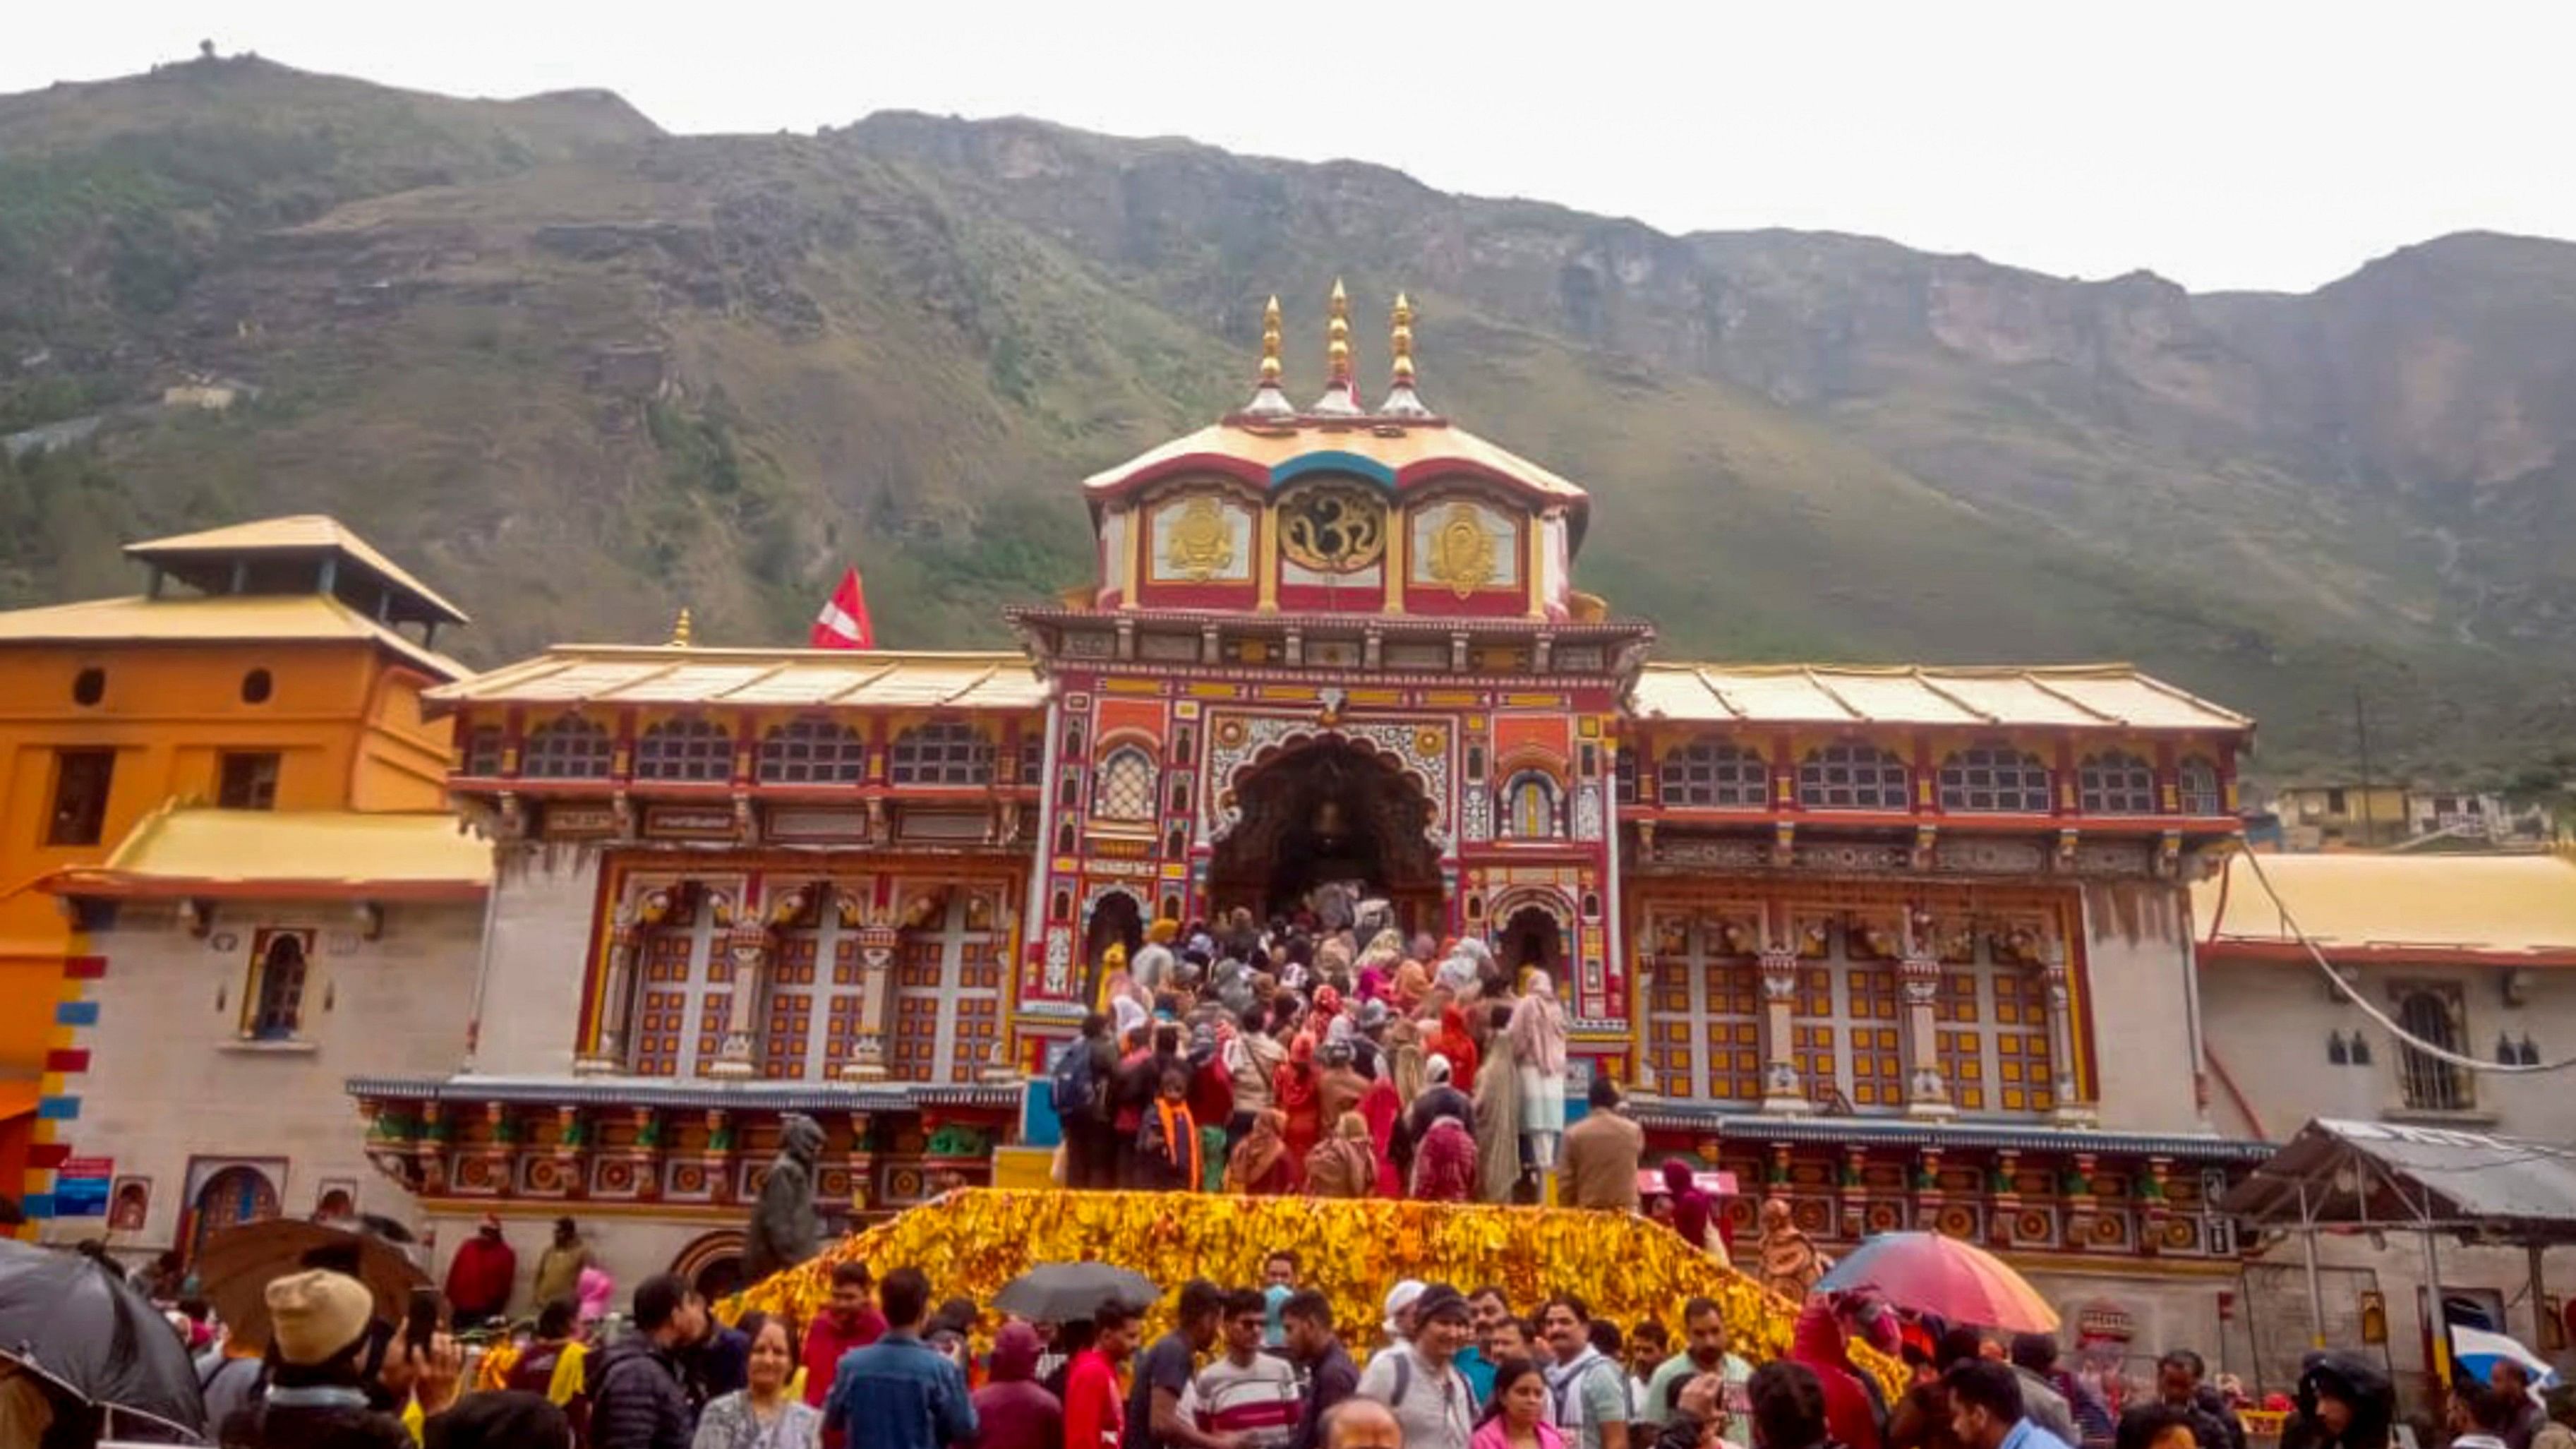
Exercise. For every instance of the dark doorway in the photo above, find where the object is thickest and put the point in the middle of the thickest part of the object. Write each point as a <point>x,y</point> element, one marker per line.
<point>1323,813</point>
<point>1531,937</point>
<point>1116,918</point>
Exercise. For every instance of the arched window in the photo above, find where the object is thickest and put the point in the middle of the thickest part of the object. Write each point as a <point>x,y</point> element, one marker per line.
<point>569,748</point>
<point>1994,778</point>
<point>2200,793</point>
<point>2428,1083</point>
<point>2116,784</point>
<point>1851,775</point>
<point>1712,772</point>
<point>1124,789</point>
<point>943,752</point>
<point>277,999</point>
<point>483,749</point>
<point>812,752</point>
<point>688,751</point>
<point>1529,807</point>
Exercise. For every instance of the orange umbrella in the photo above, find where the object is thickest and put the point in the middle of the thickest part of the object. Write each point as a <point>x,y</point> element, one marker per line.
<point>1937,1273</point>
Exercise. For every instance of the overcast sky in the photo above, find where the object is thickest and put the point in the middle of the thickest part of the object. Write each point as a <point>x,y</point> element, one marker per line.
<point>2250,144</point>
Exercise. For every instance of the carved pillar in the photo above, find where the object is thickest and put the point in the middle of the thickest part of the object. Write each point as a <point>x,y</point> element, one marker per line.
<point>1927,1092</point>
<point>616,999</point>
<point>1781,1091</point>
<point>2003,1197</point>
<point>868,1055</point>
<point>747,945</point>
<point>2061,1038</point>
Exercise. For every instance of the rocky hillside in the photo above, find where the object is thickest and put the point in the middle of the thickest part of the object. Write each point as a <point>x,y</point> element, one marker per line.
<point>581,372</point>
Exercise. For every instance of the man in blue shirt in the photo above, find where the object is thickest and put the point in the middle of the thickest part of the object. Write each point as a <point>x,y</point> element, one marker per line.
<point>1986,1409</point>
<point>898,1392</point>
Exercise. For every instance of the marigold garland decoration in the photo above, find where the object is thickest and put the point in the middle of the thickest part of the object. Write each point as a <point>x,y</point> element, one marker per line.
<point>974,1240</point>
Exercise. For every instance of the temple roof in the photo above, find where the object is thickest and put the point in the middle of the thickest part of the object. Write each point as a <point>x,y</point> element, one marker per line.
<point>2353,904</point>
<point>1398,453</point>
<point>230,619</point>
<point>2083,696</point>
<point>572,674</point>
<point>205,560</point>
<point>287,854</point>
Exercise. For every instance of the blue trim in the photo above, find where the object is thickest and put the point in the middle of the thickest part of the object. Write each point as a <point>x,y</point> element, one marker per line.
<point>1332,460</point>
<point>37,1204</point>
<point>58,1109</point>
<point>75,1013</point>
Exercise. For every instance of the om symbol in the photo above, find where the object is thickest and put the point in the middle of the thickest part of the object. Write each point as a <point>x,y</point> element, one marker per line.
<point>1333,528</point>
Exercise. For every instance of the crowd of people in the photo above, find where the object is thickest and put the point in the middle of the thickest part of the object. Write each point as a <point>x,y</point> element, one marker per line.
<point>1329,1055</point>
<point>885,1365</point>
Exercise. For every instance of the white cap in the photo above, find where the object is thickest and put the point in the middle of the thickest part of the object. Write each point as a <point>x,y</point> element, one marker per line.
<point>1399,1298</point>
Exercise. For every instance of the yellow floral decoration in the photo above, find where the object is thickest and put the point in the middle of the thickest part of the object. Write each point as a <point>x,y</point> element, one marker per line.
<point>973,1241</point>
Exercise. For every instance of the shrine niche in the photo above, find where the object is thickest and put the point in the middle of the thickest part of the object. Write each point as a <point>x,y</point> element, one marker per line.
<point>1327,811</point>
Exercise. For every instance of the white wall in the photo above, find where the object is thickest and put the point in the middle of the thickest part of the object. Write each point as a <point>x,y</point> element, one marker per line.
<point>2138,970</point>
<point>630,1248</point>
<point>2267,1024</point>
<point>540,950</point>
<point>170,1078</point>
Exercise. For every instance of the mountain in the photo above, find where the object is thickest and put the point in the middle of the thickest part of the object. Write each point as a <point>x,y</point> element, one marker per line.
<point>580,372</point>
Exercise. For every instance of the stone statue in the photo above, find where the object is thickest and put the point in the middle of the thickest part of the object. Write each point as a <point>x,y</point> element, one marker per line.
<point>785,1229</point>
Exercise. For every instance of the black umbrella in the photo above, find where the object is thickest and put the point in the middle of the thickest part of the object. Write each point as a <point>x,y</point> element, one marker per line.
<point>72,1319</point>
<point>1072,1292</point>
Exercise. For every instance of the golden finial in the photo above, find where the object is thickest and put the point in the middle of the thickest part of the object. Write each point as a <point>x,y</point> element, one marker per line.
<point>1270,344</point>
<point>680,629</point>
<point>1337,339</point>
<point>1402,341</point>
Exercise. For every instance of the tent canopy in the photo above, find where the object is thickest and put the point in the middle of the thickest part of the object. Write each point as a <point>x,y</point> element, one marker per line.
<point>2338,1173</point>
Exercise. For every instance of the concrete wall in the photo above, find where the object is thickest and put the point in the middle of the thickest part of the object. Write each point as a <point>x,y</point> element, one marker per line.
<point>2267,1025</point>
<point>546,898</point>
<point>2137,953</point>
<point>171,1080</point>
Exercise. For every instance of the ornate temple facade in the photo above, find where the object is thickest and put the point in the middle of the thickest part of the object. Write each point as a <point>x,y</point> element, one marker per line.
<point>1908,946</point>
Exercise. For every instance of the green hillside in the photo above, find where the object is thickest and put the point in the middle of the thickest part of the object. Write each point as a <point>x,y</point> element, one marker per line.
<point>580,372</point>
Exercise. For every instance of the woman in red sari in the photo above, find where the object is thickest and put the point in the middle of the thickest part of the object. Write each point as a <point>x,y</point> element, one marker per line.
<point>1454,1041</point>
<point>1296,1100</point>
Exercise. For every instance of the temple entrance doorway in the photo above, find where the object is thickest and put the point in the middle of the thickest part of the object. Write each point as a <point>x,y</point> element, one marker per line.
<point>1530,938</point>
<point>1116,920</point>
<point>1326,814</point>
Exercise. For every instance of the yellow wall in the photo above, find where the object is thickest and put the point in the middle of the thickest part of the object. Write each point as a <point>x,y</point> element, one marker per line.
<point>344,716</point>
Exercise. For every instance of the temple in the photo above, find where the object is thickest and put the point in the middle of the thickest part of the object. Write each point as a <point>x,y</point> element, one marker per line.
<point>1865,937</point>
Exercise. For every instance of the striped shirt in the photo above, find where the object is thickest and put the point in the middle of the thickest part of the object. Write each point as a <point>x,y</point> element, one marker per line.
<point>1257,1401</point>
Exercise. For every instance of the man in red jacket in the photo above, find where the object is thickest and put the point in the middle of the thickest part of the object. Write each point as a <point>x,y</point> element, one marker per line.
<point>1094,1415</point>
<point>479,1281</point>
<point>849,1321</point>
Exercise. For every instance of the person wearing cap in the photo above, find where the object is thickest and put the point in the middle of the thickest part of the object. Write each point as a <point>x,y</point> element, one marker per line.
<point>323,1339</point>
<point>479,1281</point>
<point>559,1266</point>
<point>1155,964</point>
<point>1398,1323</point>
<point>1419,1381</point>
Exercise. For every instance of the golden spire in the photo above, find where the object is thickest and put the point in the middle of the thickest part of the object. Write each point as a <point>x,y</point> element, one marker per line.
<point>680,629</point>
<point>1402,341</point>
<point>1337,339</point>
<point>1270,344</point>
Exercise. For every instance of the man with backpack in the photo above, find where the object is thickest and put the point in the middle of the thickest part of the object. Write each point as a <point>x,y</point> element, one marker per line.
<point>1419,1380</point>
<point>1079,1092</point>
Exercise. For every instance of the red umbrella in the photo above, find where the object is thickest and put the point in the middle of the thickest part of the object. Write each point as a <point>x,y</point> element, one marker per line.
<point>1937,1273</point>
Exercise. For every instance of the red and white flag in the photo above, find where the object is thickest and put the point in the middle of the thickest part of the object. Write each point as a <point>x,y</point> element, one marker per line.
<point>843,624</point>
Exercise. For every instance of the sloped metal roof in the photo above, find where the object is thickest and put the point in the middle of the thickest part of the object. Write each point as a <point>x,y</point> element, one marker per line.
<point>2103,696</point>
<point>2401,1176</point>
<point>675,674</point>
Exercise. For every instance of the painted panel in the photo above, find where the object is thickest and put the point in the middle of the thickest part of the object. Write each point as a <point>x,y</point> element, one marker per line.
<point>1200,539</point>
<point>1460,549</point>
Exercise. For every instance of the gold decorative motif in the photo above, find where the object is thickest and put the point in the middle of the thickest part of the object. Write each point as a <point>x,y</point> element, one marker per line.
<point>1461,553</point>
<point>1202,542</point>
<point>1337,338</point>
<point>1401,341</point>
<point>1333,528</point>
<point>1270,344</point>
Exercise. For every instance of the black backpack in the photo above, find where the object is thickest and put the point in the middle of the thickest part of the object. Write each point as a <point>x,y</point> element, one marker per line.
<point>1075,1090</point>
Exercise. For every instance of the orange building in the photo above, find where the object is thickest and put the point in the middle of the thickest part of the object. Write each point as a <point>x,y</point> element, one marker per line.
<point>265,666</point>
